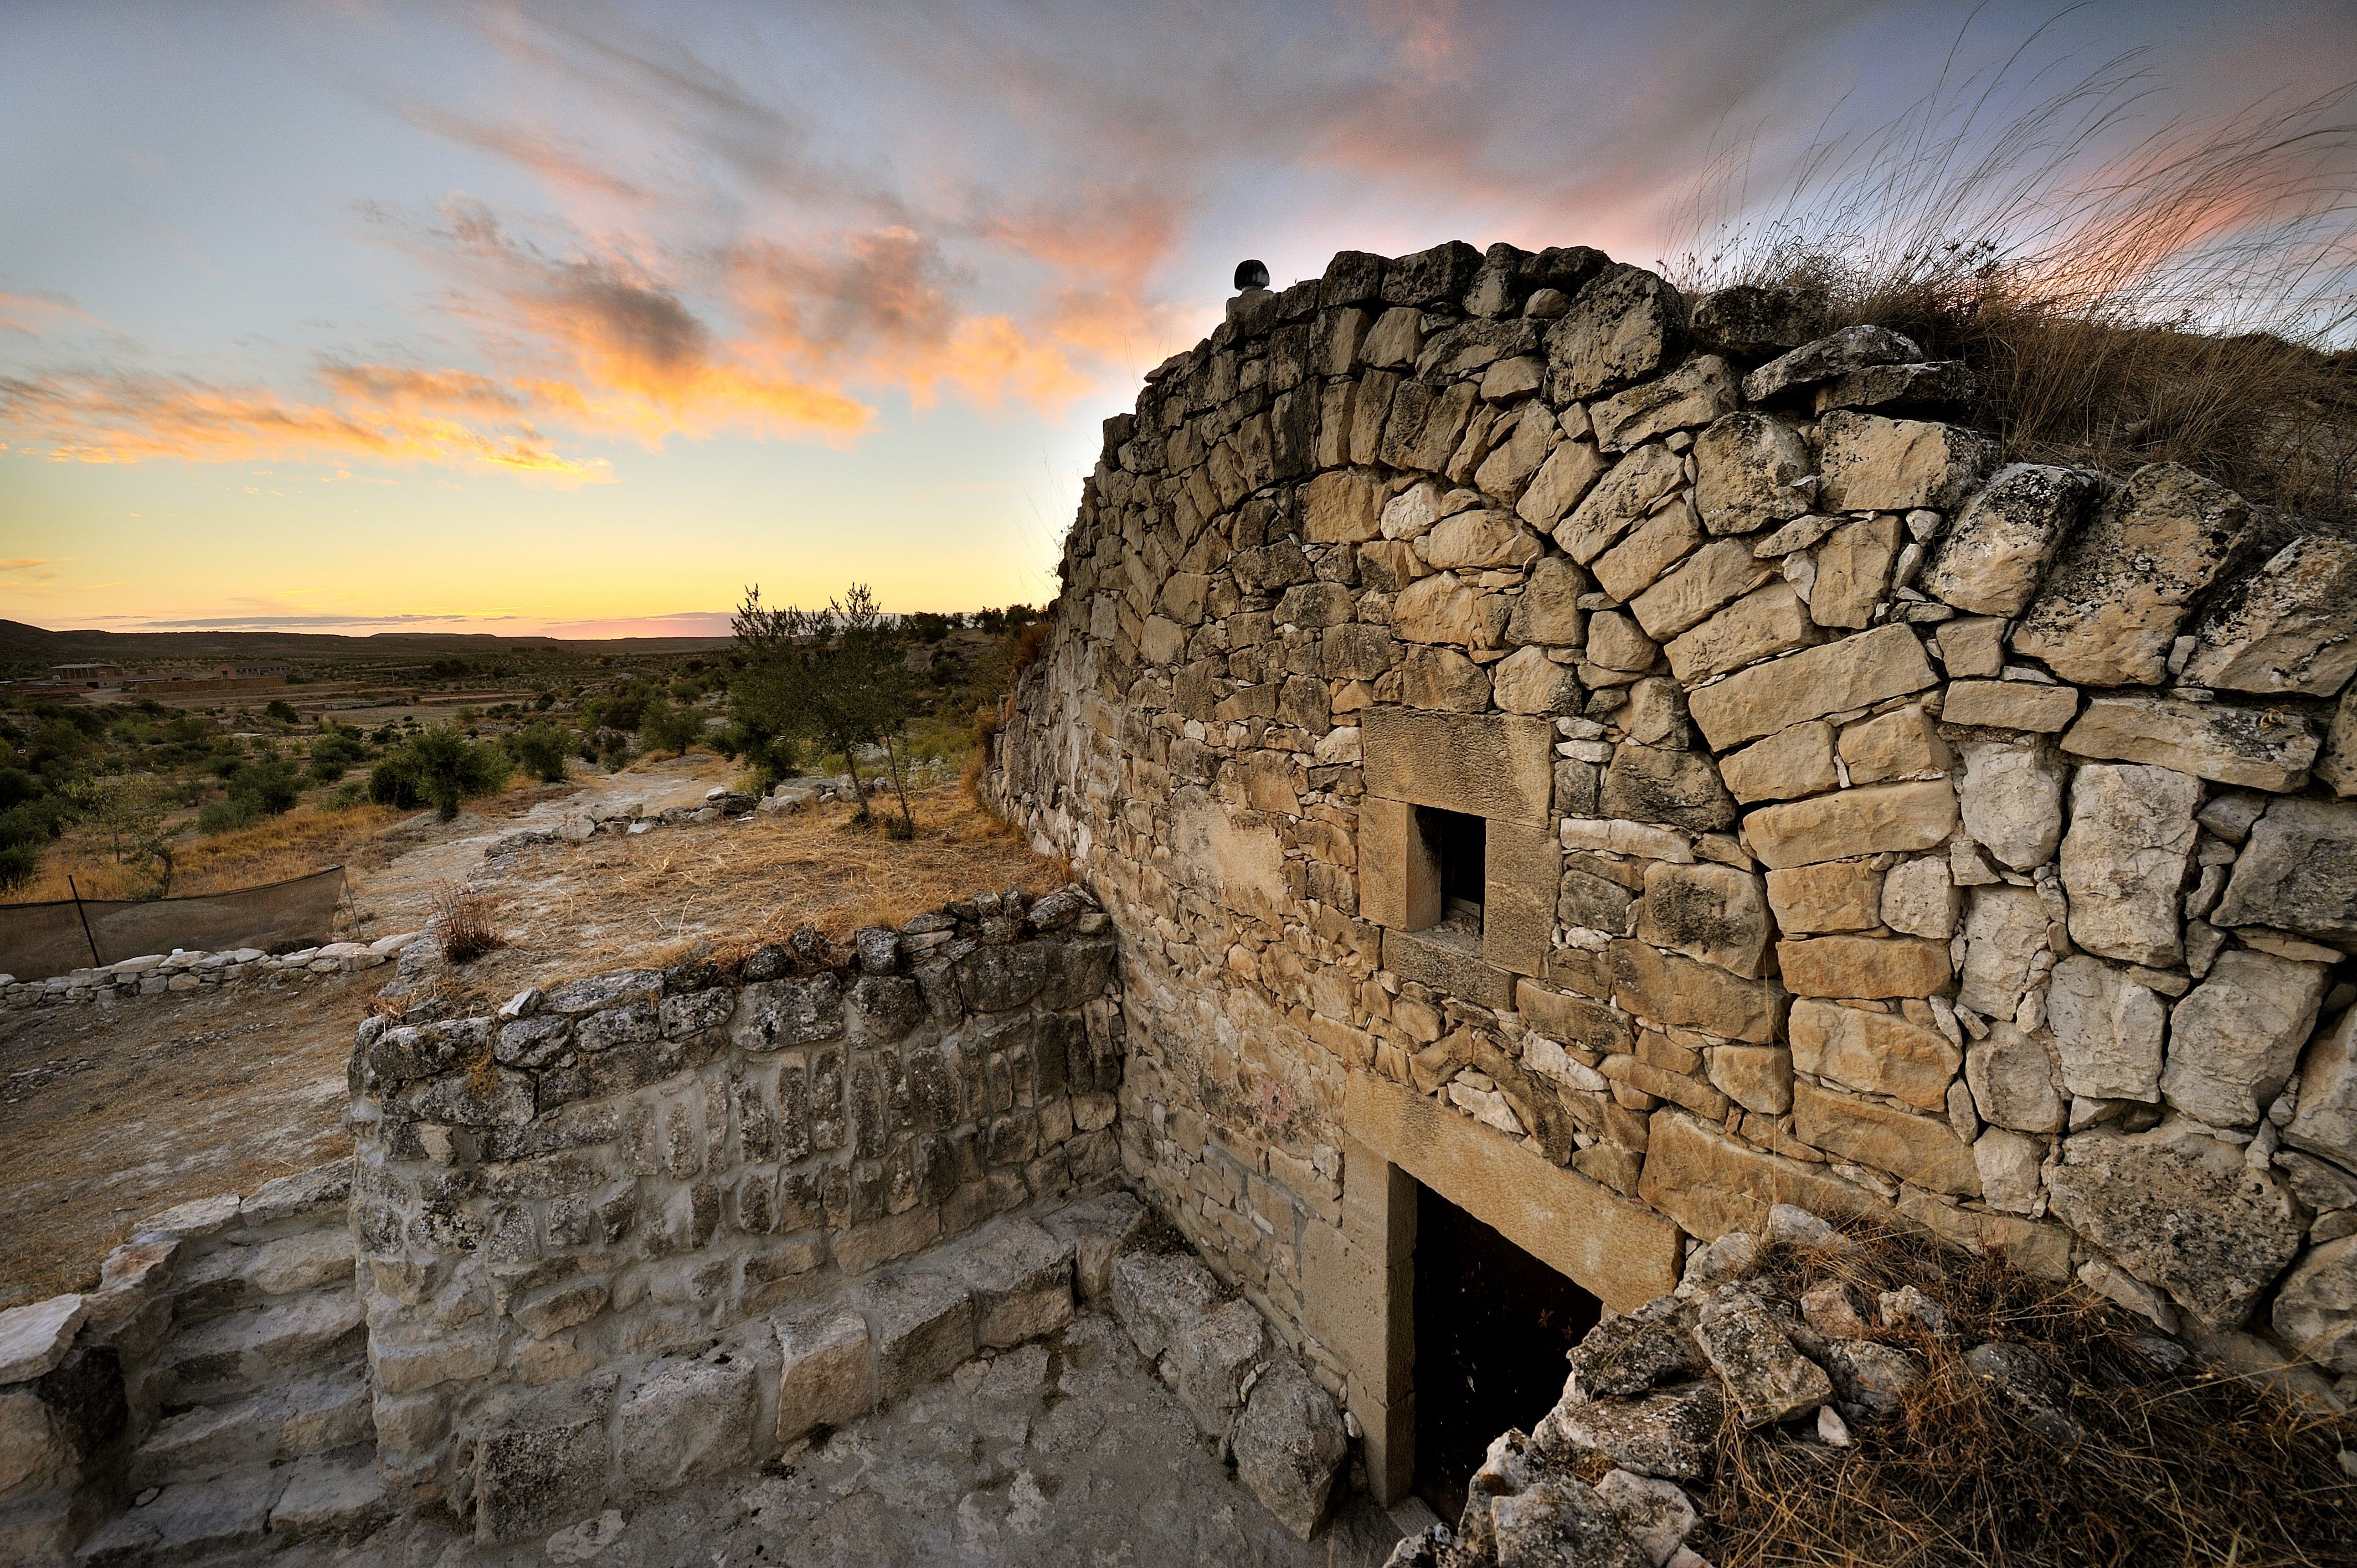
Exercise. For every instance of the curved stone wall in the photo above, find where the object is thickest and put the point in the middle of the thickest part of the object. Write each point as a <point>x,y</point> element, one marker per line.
<point>1863,823</point>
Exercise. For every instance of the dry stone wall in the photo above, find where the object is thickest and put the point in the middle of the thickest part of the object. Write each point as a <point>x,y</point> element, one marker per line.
<point>627,1165</point>
<point>1865,824</point>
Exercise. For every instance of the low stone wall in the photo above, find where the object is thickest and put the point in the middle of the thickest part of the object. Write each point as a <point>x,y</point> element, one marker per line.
<point>630,1166</point>
<point>1861,823</point>
<point>161,974</point>
<point>217,1377</point>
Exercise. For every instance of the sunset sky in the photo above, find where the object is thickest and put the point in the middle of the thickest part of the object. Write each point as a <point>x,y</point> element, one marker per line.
<point>338,314</point>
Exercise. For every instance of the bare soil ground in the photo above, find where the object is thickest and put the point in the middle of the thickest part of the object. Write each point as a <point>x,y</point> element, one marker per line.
<point>110,1114</point>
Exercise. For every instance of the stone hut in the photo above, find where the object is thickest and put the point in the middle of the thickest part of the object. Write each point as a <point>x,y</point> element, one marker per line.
<point>1601,768</point>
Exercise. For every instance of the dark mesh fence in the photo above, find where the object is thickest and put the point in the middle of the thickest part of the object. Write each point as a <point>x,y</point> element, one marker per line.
<point>37,941</point>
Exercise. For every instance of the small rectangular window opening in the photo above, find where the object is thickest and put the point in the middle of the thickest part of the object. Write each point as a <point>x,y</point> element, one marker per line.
<point>1458,843</point>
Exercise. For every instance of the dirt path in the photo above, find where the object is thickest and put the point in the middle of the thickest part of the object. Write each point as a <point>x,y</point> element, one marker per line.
<point>110,1114</point>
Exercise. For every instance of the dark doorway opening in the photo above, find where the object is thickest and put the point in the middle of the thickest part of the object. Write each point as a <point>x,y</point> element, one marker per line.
<point>1458,842</point>
<point>1493,1326</point>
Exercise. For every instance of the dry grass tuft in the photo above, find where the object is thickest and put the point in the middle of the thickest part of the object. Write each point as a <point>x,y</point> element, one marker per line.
<point>295,843</point>
<point>462,920</point>
<point>2181,293</point>
<point>2191,1466</point>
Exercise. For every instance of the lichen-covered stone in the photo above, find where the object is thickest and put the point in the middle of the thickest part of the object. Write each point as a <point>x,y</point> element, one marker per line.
<point>2297,872</point>
<point>1998,549</point>
<point>2234,1038</point>
<point>2288,628</point>
<point>2131,837</point>
<point>2247,746</point>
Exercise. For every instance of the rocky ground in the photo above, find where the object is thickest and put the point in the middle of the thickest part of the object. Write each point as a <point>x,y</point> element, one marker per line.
<point>108,1111</point>
<point>1062,1452</point>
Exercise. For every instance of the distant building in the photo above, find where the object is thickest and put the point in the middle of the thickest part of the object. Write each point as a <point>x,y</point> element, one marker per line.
<point>261,671</point>
<point>90,675</point>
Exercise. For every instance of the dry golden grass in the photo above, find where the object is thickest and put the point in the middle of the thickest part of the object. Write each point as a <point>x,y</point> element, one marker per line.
<point>295,843</point>
<point>2183,1468</point>
<point>464,920</point>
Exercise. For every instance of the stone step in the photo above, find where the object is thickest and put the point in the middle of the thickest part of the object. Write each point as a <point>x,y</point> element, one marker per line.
<point>246,1512</point>
<point>226,1357</point>
<point>311,1413</point>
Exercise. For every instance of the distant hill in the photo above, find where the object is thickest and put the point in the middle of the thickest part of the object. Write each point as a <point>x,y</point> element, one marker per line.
<point>20,642</point>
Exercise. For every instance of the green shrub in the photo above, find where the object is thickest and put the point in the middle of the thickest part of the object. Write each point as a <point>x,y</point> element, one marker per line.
<point>540,749</point>
<point>283,711</point>
<point>235,811</point>
<point>332,753</point>
<point>18,862</point>
<point>664,727</point>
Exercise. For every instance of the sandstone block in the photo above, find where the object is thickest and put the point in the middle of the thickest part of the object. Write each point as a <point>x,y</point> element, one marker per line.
<point>686,1417</point>
<point>1574,1020</point>
<point>2011,704</point>
<point>2131,837</point>
<point>1762,623</point>
<point>1711,1185</point>
<point>1399,876</point>
<point>1863,966</point>
<point>923,1327</point>
<point>1560,484</point>
<point>829,1374</point>
<point>1919,898</point>
<point>1548,614</point>
<point>1021,1283</point>
<point>1757,1078</point>
<point>2285,629</point>
<point>1791,763</point>
<point>1746,466</point>
<point>1866,820</point>
<point>1671,989</point>
<point>2121,588</point>
<point>1522,871</point>
<point>2010,800</point>
<point>1875,1053</point>
<point>1445,609</point>
<point>1854,571</point>
<point>2107,1030</point>
<point>1999,546</point>
<point>1974,645</point>
<point>1720,573</point>
<point>1623,326</point>
<point>2316,1310</point>
<point>2005,930</point>
<point>2248,746</point>
<point>2234,1038</point>
<point>1856,672</point>
<point>1476,541</point>
<point>1617,501</point>
<point>1438,680</point>
<point>1615,643</point>
<point>2327,1121</point>
<point>1527,681</point>
<point>1893,746</point>
<point>1656,784</point>
<point>1493,766</point>
<point>2298,872</point>
<point>2181,1211</point>
<point>1648,549</point>
<point>1714,913</point>
<point>1290,1446</point>
<point>1871,464</point>
<point>1838,896</point>
<point>2012,1080</point>
<point>1920,1149</point>
<point>1693,394</point>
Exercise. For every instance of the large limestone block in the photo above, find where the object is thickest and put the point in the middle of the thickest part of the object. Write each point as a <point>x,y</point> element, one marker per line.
<point>1290,1446</point>
<point>1856,672</point>
<point>1693,394</point>
<point>1863,966</point>
<point>2286,629</point>
<point>1762,623</point>
<point>2011,1075</point>
<point>1823,358</point>
<point>1527,681</point>
<point>2011,704</point>
<point>2181,1210</point>
<point>1649,549</point>
<point>1617,501</point>
<point>1486,765</point>
<point>924,1328</point>
<point>2121,589</point>
<point>2327,1122</point>
<point>2011,801</point>
<point>1671,988</point>
<point>1657,784</point>
<point>1999,546</point>
<point>1098,1227</point>
<point>547,1467</point>
<point>1021,1283</point>
<point>1624,325</point>
<point>1718,574</point>
<point>1440,680</point>
<point>2005,930</point>
<point>2234,1039</point>
<point>34,1339</point>
<point>686,1417</point>
<point>1871,464</point>
<point>1446,609</point>
<point>1714,913</point>
<point>1920,898</point>
<point>1854,571</point>
<point>1560,484</point>
<point>1711,1185</point>
<point>1478,540</point>
<point>2297,872</point>
<point>2107,1030</point>
<point>1522,874</point>
<point>2124,860</point>
<point>1342,506</point>
<point>1839,895</point>
<point>1548,614</point>
<point>1787,765</point>
<point>1874,1053</point>
<point>1211,1363</point>
<point>1922,1149</point>
<point>1746,470</point>
<point>2316,1310</point>
<point>828,1375</point>
<point>1618,1249</point>
<point>1867,821</point>
<point>2246,746</point>
<point>1901,744</point>
<point>1399,876</point>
